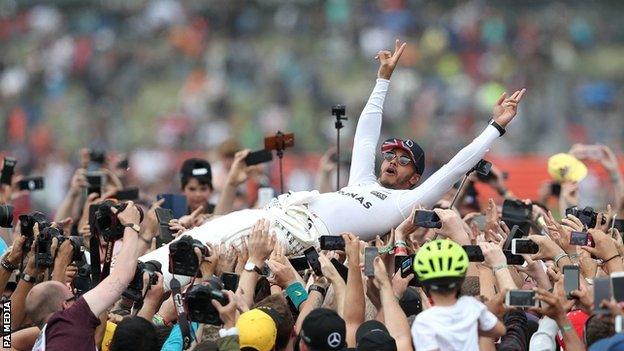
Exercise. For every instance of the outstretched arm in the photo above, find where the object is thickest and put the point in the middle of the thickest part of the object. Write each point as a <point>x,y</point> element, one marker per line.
<point>369,124</point>
<point>442,180</point>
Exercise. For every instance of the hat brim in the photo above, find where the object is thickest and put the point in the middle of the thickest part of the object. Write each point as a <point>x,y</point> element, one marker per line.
<point>566,168</point>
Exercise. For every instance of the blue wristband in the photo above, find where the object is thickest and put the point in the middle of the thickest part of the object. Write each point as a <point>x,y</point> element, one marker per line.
<point>297,294</point>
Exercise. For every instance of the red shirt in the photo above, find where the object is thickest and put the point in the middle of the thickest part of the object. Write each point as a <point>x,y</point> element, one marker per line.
<point>72,329</point>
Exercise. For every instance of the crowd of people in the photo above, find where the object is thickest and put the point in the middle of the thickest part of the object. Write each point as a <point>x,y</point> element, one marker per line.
<point>389,262</point>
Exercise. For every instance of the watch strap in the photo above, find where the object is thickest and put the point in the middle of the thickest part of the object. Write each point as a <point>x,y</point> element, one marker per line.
<point>8,265</point>
<point>498,127</point>
<point>28,278</point>
<point>317,288</point>
<point>133,226</point>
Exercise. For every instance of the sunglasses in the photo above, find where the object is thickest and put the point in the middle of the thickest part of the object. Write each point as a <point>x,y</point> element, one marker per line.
<point>390,155</point>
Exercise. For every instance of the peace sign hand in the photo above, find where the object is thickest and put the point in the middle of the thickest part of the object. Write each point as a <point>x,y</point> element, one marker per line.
<point>507,107</point>
<point>388,60</point>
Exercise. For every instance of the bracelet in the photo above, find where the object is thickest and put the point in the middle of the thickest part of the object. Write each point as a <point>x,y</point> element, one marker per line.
<point>499,267</point>
<point>228,332</point>
<point>400,243</point>
<point>498,127</point>
<point>297,294</point>
<point>566,327</point>
<point>560,256</point>
<point>605,261</point>
<point>400,250</point>
<point>385,250</point>
<point>157,319</point>
<point>573,256</point>
<point>8,265</point>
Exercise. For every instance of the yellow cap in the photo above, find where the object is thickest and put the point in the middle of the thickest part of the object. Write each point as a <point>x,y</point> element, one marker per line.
<point>108,335</point>
<point>256,329</point>
<point>566,168</point>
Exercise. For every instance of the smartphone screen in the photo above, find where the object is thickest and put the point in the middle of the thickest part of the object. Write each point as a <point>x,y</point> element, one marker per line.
<point>520,298</point>
<point>95,181</point>
<point>602,291</point>
<point>619,225</point>
<point>407,266</point>
<point>313,260</point>
<point>570,279</point>
<point>579,238</point>
<point>164,215</point>
<point>258,157</point>
<point>426,219</point>
<point>515,260</point>
<point>474,253</point>
<point>31,184</point>
<point>230,281</point>
<point>617,284</point>
<point>332,242</point>
<point>341,268</point>
<point>174,202</point>
<point>523,246</point>
<point>299,263</point>
<point>370,252</point>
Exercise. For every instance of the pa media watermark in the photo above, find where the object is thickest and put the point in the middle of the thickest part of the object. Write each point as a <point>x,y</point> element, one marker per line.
<point>6,323</point>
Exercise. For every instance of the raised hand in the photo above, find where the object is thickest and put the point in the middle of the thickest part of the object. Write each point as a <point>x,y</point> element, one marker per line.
<point>388,60</point>
<point>239,170</point>
<point>507,107</point>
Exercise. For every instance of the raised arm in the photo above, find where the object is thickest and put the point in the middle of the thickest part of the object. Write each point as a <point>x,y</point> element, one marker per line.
<point>429,192</point>
<point>369,124</point>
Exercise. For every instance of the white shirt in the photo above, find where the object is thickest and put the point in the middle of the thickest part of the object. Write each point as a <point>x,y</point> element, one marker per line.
<point>452,327</point>
<point>366,208</point>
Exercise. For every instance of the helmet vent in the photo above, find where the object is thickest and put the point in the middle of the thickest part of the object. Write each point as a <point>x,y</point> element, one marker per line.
<point>449,263</point>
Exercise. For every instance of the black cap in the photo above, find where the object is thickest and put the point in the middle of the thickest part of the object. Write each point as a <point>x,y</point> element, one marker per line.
<point>196,168</point>
<point>324,329</point>
<point>417,154</point>
<point>410,302</point>
<point>373,336</point>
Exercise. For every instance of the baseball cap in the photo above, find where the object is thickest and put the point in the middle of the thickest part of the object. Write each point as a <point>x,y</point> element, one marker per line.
<point>196,168</point>
<point>416,153</point>
<point>614,343</point>
<point>257,329</point>
<point>372,336</point>
<point>410,302</point>
<point>566,168</point>
<point>324,329</point>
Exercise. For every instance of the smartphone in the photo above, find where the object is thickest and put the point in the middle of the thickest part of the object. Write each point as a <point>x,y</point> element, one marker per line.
<point>8,169</point>
<point>483,169</point>
<point>258,157</point>
<point>555,189</point>
<point>514,260</point>
<point>370,252</point>
<point>521,298</point>
<point>523,246</point>
<point>31,183</point>
<point>618,224</point>
<point>518,213</point>
<point>164,215</point>
<point>617,285</point>
<point>341,268</point>
<point>299,263</point>
<point>474,253</point>
<point>127,194</point>
<point>480,221</point>
<point>618,323</point>
<point>571,276</point>
<point>230,281</point>
<point>427,219</point>
<point>95,181</point>
<point>313,260</point>
<point>407,266</point>
<point>579,238</point>
<point>332,242</point>
<point>602,291</point>
<point>265,195</point>
<point>280,141</point>
<point>515,233</point>
<point>174,202</point>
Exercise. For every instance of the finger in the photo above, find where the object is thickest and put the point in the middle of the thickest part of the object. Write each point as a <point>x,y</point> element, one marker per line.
<point>500,102</point>
<point>399,52</point>
<point>397,45</point>
<point>519,97</point>
<point>197,211</point>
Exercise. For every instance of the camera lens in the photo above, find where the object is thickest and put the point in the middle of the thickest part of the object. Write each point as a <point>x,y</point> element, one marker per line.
<point>6,216</point>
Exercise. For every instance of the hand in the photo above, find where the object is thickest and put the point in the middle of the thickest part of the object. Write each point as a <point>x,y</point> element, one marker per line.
<point>608,159</point>
<point>606,218</point>
<point>352,249</point>
<point>188,221</point>
<point>15,255</point>
<point>129,215</point>
<point>548,249</point>
<point>208,265</point>
<point>381,274</point>
<point>326,164</point>
<point>569,194</point>
<point>506,108</point>
<point>452,226</point>
<point>551,306</point>
<point>70,273</point>
<point>65,252</point>
<point>78,182</point>
<point>155,292</point>
<point>496,304</point>
<point>284,275</point>
<point>260,243</point>
<point>493,254</point>
<point>406,227</point>
<point>227,258</point>
<point>243,256</point>
<point>604,246</point>
<point>400,284</point>
<point>329,270</point>
<point>229,312</point>
<point>561,234</point>
<point>491,217</point>
<point>238,172</point>
<point>388,60</point>
<point>584,298</point>
<point>588,265</point>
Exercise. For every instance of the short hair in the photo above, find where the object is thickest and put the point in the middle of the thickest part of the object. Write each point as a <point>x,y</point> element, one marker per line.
<point>189,170</point>
<point>206,345</point>
<point>134,333</point>
<point>471,286</point>
<point>286,324</point>
<point>597,329</point>
<point>46,298</point>
<point>162,334</point>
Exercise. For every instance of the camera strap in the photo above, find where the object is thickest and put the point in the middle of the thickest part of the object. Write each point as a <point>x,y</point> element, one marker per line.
<point>108,257</point>
<point>94,252</point>
<point>183,322</point>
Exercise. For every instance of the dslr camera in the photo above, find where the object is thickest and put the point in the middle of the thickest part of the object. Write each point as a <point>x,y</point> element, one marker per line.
<point>43,256</point>
<point>182,258</point>
<point>106,222</point>
<point>77,243</point>
<point>6,216</point>
<point>587,215</point>
<point>135,288</point>
<point>199,301</point>
<point>27,225</point>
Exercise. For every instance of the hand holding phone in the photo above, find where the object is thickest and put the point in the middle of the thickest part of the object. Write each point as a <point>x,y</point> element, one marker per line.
<point>8,168</point>
<point>258,157</point>
<point>31,184</point>
<point>474,253</point>
<point>164,216</point>
<point>579,238</point>
<point>524,246</point>
<point>426,219</point>
<point>332,242</point>
<point>571,280</point>
<point>521,298</point>
<point>313,260</point>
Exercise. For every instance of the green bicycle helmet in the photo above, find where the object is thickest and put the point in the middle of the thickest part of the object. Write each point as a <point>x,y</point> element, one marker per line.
<point>441,259</point>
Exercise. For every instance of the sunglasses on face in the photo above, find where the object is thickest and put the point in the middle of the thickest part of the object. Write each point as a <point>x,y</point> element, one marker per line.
<point>390,155</point>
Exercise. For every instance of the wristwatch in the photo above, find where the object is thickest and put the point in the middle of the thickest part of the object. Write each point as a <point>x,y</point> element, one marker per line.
<point>498,127</point>
<point>28,278</point>
<point>318,288</point>
<point>133,226</point>
<point>251,267</point>
<point>10,267</point>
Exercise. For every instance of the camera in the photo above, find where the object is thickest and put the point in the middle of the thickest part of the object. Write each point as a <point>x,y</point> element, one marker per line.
<point>587,215</point>
<point>182,258</point>
<point>8,169</point>
<point>27,225</point>
<point>43,256</point>
<point>135,288</point>
<point>82,281</point>
<point>97,156</point>
<point>106,222</point>
<point>6,216</point>
<point>77,243</point>
<point>338,110</point>
<point>199,301</point>
<point>516,212</point>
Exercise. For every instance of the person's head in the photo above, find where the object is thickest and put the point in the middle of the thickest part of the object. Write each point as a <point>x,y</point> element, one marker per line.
<point>403,164</point>
<point>135,333</point>
<point>441,266</point>
<point>597,328</point>
<point>257,328</point>
<point>196,181</point>
<point>373,335</point>
<point>47,298</point>
<point>227,149</point>
<point>323,330</point>
<point>410,302</point>
<point>285,327</point>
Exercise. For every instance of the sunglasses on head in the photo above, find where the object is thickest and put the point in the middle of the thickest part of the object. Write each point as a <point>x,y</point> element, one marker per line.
<point>403,160</point>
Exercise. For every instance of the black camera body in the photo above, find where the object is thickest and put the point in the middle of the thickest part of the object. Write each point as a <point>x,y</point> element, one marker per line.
<point>43,255</point>
<point>8,169</point>
<point>199,302</point>
<point>135,288</point>
<point>27,225</point>
<point>182,258</point>
<point>106,222</point>
<point>6,216</point>
<point>516,212</point>
<point>82,281</point>
<point>77,243</point>
<point>587,215</point>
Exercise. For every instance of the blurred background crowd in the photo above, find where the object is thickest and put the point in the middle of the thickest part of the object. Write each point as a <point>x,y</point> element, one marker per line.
<point>154,79</point>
